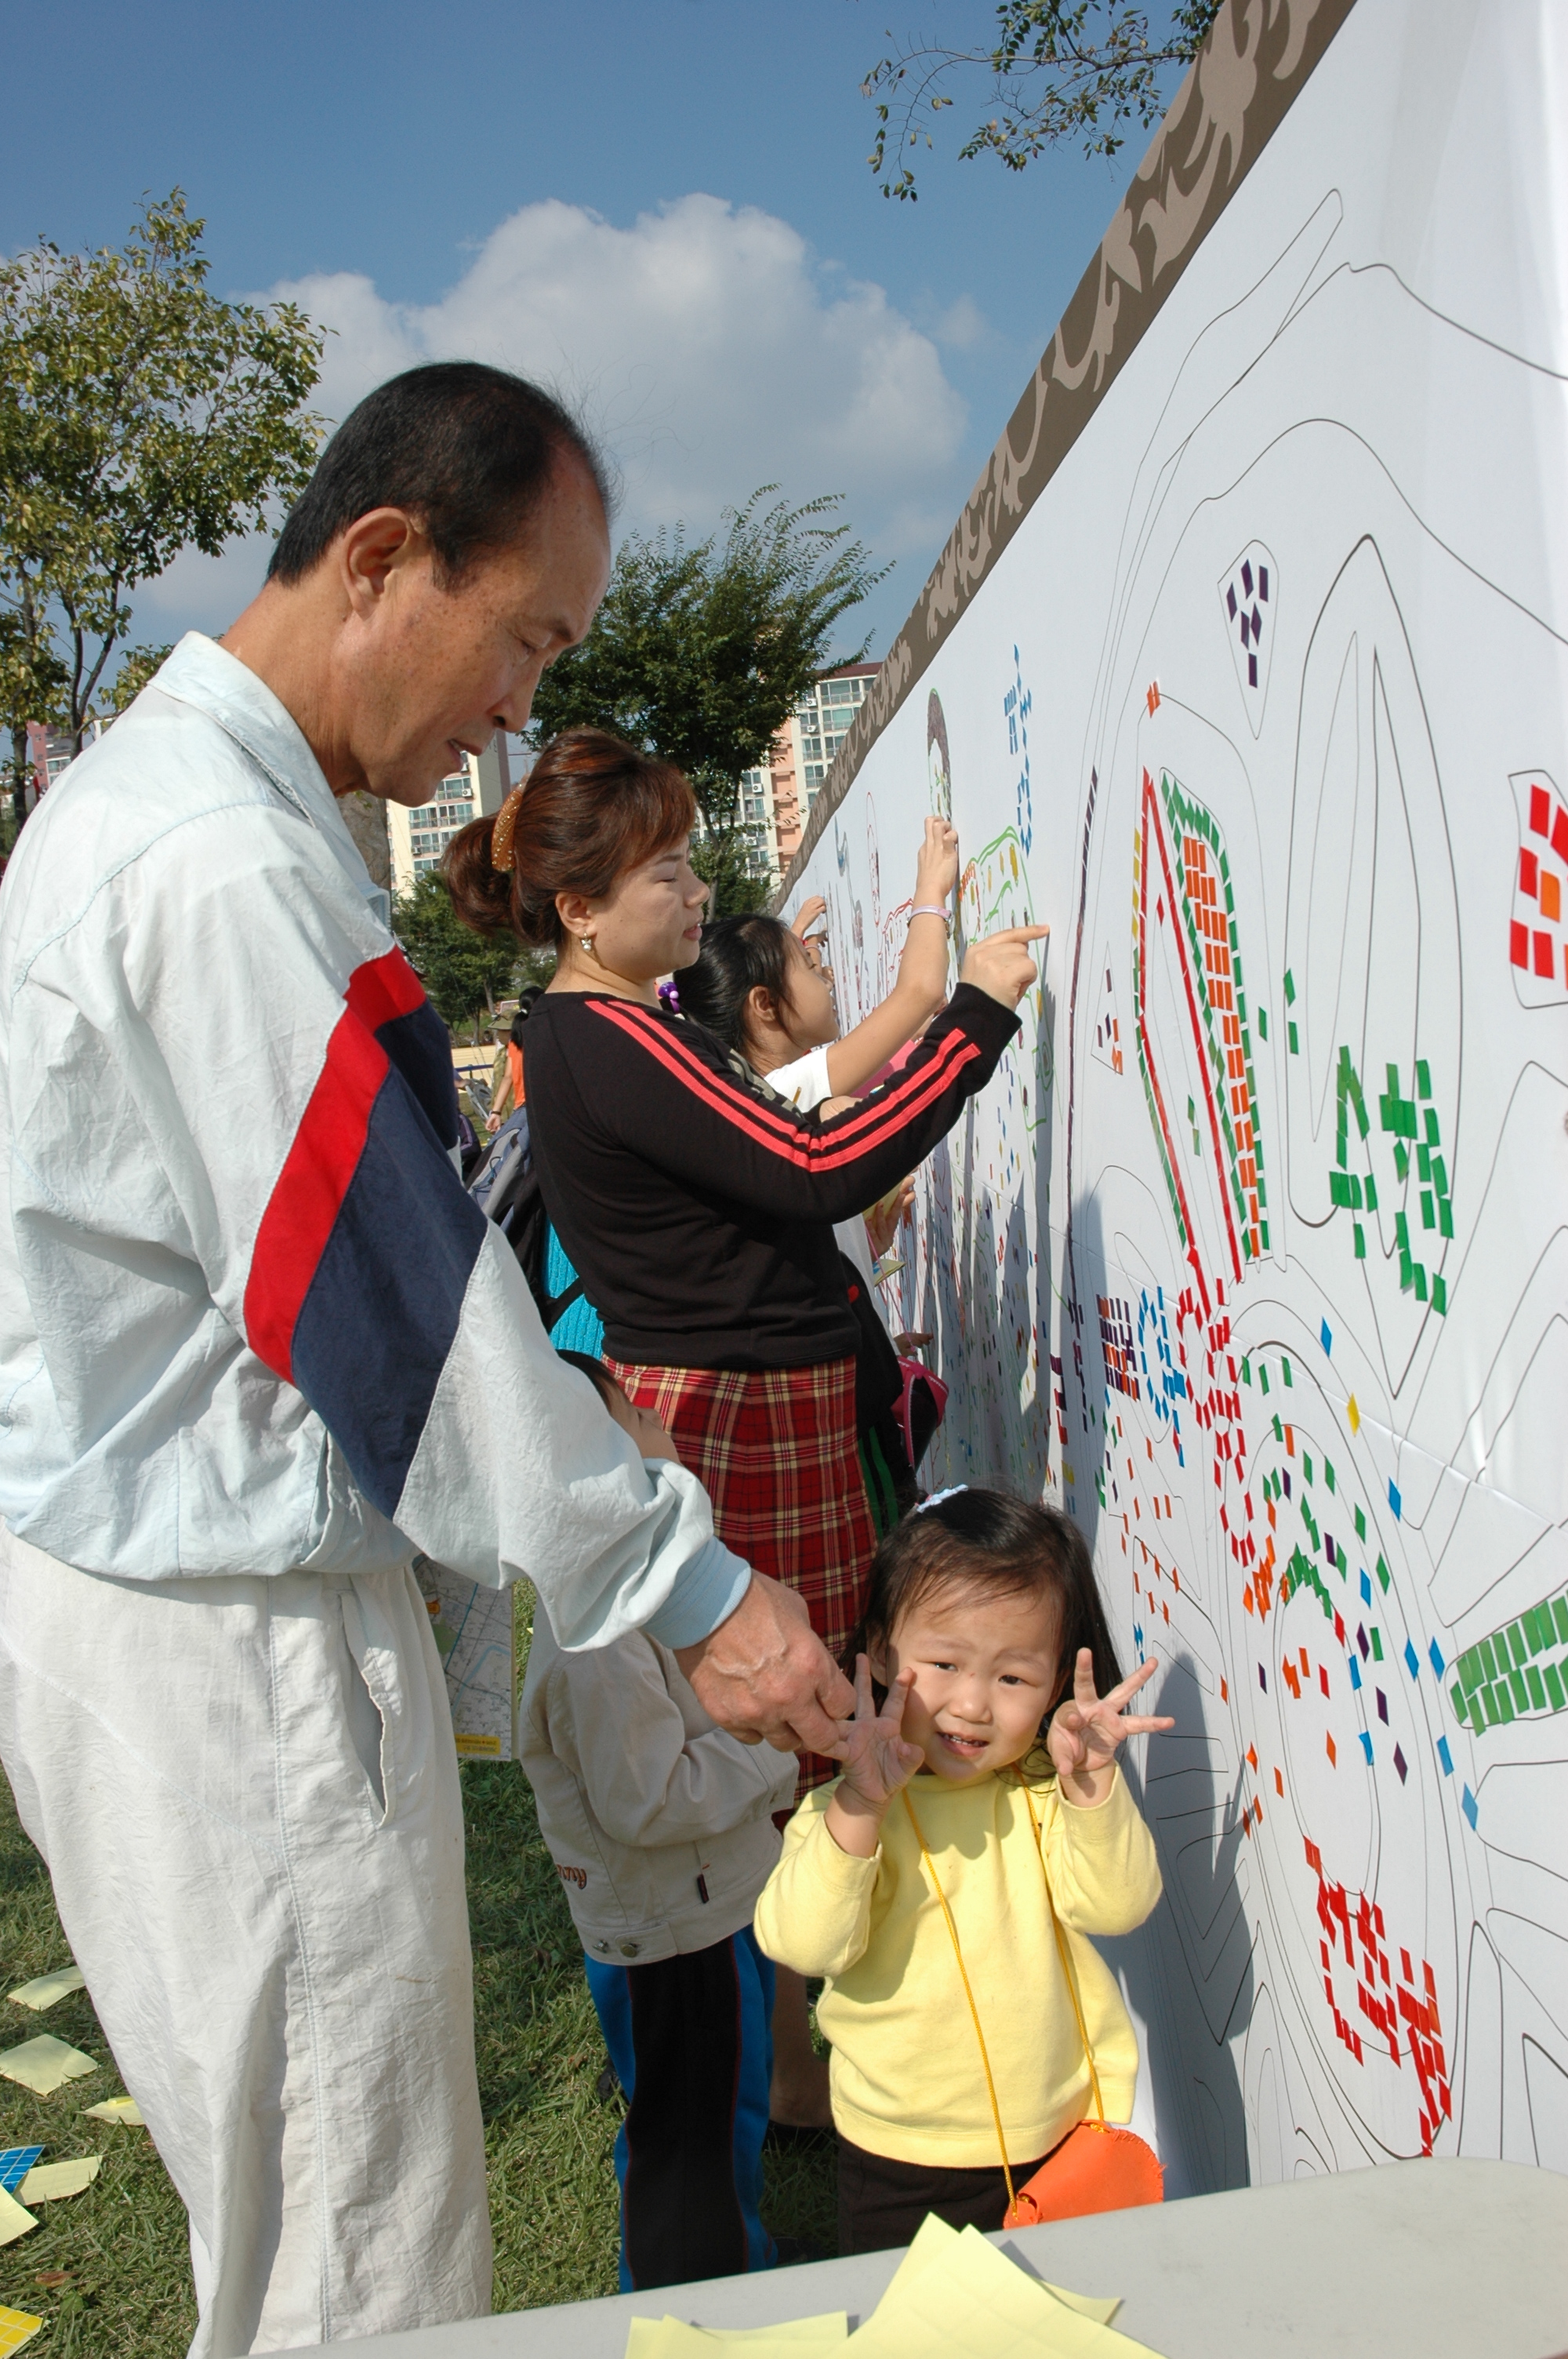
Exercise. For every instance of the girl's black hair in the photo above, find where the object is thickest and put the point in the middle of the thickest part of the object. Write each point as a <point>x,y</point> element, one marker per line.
<point>598,1374</point>
<point>525,998</point>
<point>1001,1547</point>
<point>738,954</point>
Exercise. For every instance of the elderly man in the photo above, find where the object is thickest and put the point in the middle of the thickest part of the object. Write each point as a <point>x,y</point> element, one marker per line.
<point>256,1344</point>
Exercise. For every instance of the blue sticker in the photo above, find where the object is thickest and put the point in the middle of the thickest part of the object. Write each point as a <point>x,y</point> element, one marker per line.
<point>1412,1660</point>
<point>1327,1337</point>
<point>1435,1658</point>
<point>1394,1500</point>
<point>14,2164</point>
<point>1444,1756</point>
<point>1367,1745</point>
<point>1467,1804</point>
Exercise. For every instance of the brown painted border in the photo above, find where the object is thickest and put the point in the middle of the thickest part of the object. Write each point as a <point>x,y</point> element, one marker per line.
<point>1237,91</point>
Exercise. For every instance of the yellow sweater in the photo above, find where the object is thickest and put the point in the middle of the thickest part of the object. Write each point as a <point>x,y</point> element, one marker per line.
<point>906,2075</point>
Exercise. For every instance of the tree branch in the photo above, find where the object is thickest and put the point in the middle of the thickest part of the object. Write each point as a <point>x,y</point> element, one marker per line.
<point>1059,68</point>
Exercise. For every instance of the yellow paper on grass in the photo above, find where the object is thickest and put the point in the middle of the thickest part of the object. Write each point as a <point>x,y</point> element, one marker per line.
<point>963,2299</point>
<point>14,2221</point>
<point>44,1989</point>
<point>671,2338</point>
<point>114,2109</point>
<point>17,2327</point>
<point>51,2183</point>
<point>44,2064</point>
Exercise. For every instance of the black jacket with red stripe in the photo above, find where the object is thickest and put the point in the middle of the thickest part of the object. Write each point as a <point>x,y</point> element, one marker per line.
<point>697,1209</point>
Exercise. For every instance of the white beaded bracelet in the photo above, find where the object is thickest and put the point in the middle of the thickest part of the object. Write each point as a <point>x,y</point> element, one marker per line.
<point>932,909</point>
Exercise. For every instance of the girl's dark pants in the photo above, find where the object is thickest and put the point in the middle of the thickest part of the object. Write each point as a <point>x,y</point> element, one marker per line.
<point>882,2202</point>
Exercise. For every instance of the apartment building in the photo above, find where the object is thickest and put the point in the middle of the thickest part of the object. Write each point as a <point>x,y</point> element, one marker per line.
<point>419,838</point>
<point>776,802</point>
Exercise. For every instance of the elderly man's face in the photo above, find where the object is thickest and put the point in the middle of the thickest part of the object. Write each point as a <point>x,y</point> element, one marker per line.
<point>435,672</point>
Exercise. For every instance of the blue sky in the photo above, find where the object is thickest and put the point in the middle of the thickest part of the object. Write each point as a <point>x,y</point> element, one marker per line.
<point>661,206</point>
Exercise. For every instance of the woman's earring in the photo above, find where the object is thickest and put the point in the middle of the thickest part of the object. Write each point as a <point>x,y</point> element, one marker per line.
<point>587,941</point>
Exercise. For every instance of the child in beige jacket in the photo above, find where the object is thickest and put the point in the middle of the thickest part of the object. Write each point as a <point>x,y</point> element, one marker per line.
<point>661,1826</point>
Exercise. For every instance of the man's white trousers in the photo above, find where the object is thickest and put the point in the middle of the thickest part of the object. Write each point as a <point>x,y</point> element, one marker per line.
<point>247,1795</point>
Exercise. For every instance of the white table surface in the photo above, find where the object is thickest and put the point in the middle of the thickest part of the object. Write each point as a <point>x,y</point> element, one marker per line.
<point>1415,2260</point>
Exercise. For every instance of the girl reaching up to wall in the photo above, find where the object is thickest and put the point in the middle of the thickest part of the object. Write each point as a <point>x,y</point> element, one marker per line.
<point>758,987</point>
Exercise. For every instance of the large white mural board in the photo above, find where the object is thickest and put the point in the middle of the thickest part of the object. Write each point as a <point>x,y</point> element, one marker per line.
<point>1254,1255</point>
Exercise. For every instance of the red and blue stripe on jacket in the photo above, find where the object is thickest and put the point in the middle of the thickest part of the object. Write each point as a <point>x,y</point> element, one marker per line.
<point>364,1251</point>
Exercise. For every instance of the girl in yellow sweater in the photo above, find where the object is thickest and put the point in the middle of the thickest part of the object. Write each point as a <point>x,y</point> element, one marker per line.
<point>998,1709</point>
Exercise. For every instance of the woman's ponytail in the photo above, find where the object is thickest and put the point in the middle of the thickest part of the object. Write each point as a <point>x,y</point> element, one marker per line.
<point>591,809</point>
<point>481,893</point>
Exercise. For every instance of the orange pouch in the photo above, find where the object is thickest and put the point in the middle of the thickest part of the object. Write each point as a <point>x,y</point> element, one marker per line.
<point>1097,2166</point>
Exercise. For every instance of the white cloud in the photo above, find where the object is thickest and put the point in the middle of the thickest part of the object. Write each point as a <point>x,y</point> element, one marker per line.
<point>962,325</point>
<point>707,346</point>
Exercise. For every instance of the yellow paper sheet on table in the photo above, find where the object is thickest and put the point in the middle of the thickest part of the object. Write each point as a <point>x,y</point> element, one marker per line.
<point>957,2298</point>
<point>17,2327</point>
<point>671,2337</point>
<point>44,1989</point>
<point>14,2221</point>
<point>44,2064</point>
<point>50,2182</point>
<point>935,2237</point>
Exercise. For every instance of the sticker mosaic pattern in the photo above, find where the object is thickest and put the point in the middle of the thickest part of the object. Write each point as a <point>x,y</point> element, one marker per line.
<point>1253,1254</point>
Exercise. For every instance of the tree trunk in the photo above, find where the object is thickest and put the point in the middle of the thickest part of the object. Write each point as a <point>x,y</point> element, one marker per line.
<point>365,816</point>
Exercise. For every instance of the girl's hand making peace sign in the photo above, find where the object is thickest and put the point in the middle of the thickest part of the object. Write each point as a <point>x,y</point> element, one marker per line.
<point>1087,1729</point>
<point>877,1764</point>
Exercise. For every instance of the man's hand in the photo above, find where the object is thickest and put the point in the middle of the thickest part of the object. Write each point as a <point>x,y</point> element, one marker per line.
<point>1000,965</point>
<point>765,1673</point>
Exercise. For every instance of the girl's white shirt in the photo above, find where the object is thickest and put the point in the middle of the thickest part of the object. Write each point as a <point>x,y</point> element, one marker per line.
<point>804,1084</point>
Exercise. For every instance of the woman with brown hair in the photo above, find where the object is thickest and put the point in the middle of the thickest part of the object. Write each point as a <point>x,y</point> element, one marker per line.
<point>696,1207</point>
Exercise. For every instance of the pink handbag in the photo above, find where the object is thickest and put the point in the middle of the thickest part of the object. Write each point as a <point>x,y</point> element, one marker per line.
<point>921,1406</point>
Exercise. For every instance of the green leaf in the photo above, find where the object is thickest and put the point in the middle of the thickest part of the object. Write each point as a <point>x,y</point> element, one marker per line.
<point>698,653</point>
<point>139,416</point>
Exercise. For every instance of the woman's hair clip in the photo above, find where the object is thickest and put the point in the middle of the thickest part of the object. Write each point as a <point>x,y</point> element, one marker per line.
<point>670,996</point>
<point>501,834</point>
<point>937,1496</point>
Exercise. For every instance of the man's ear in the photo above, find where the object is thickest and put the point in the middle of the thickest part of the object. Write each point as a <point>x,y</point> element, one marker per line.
<point>376,546</point>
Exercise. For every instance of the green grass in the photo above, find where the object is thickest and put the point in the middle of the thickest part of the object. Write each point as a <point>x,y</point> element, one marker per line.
<point>548,2134</point>
<point>123,2241</point>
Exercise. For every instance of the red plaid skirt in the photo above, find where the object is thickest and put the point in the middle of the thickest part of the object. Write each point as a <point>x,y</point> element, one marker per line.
<point>775,1450</point>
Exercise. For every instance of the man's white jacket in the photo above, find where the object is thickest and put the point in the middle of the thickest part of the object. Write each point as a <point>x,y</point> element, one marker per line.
<point>249,1320</point>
